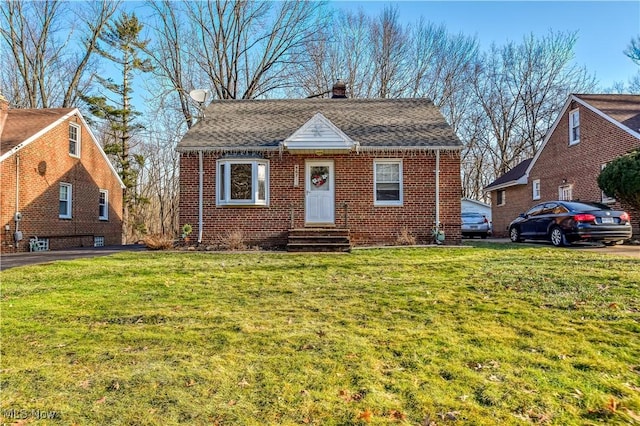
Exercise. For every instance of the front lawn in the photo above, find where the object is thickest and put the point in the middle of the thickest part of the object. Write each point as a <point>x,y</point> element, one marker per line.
<point>467,335</point>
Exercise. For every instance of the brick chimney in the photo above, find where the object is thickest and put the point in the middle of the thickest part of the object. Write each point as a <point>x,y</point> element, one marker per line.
<point>339,90</point>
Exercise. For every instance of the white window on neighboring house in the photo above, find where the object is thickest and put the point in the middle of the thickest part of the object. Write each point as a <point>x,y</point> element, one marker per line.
<point>565,192</point>
<point>242,182</point>
<point>64,198</point>
<point>605,198</point>
<point>387,182</point>
<point>501,197</point>
<point>574,127</point>
<point>536,189</point>
<point>74,140</point>
<point>98,241</point>
<point>103,205</point>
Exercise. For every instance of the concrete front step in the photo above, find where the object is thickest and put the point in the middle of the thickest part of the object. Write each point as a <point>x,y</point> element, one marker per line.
<point>319,239</point>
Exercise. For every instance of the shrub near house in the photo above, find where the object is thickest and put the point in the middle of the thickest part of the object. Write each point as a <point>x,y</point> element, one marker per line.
<point>589,132</point>
<point>375,168</point>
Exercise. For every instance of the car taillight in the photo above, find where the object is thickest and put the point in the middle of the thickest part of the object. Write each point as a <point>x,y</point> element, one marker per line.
<point>485,220</point>
<point>624,217</point>
<point>583,217</point>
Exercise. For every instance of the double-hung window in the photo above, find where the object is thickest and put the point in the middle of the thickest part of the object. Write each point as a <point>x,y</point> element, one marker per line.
<point>74,140</point>
<point>387,177</point>
<point>103,205</point>
<point>242,182</point>
<point>64,206</point>
<point>574,127</point>
<point>501,195</point>
<point>536,189</point>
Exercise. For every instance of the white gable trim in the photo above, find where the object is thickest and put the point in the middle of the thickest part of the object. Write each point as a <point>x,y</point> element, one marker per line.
<point>562,113</point>
<point>319,134</point>
<point>56,123</point>
<point>38,134</point>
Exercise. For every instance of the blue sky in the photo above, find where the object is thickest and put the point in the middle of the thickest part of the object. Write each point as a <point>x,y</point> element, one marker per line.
<point>604,28</point>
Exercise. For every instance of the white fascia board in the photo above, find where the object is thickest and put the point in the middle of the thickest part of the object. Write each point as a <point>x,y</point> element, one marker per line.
<point>521,181</point>
<point>38,134</point>
<point>100,150</point>
<point>549,133</point>
<point>606,117</point>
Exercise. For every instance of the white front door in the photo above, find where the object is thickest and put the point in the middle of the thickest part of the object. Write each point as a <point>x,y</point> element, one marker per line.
<point>320,192</point>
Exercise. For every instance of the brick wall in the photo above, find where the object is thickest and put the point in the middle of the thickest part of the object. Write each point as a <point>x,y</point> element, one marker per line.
<point>578,165</point>
<point>43,165</point>
<point>369,224</point>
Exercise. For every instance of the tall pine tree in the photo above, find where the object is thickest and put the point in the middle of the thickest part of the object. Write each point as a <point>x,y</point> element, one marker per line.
<point>122,47</point>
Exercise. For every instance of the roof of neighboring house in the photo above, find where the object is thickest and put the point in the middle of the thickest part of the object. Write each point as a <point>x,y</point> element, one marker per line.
<point>21,124</point>
<point>511,177</point>
<point>625,109</point>
<point>265,124</point>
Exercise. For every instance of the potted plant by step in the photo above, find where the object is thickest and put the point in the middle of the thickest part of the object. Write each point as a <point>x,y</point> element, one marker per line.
<point>186,231</point>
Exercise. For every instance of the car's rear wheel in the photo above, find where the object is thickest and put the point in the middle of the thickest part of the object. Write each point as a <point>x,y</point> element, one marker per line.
<point>514,235</point>
<point>557,237</point>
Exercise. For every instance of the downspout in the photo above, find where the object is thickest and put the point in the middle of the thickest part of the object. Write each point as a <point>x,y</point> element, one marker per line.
<point>437,189</point>
<point>16,215</point>
<point>200,195</point>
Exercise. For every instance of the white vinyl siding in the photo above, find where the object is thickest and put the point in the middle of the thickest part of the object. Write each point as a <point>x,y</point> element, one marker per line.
<point>387,177</point>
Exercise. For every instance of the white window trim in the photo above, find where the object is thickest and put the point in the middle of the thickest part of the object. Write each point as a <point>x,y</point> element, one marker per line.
<point>106,205</point>
<point>560,191</point>
<point>254,182</point>
<point>69,200</point>
<point>79,138</point>
<point>504,197</point>
<point>572,114</point>
<point>398,202</point>
<point>536,189</point>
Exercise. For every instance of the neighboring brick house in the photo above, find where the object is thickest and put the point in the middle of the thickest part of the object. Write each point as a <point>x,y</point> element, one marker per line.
<point>590,131</point>
<point>375,167</point>
<point>57,183</point>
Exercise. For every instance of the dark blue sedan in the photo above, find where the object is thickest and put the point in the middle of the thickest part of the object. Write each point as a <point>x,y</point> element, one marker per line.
<point>566,222</point>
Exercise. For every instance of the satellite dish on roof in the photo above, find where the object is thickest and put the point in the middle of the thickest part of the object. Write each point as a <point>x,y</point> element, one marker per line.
<point>199,95</point>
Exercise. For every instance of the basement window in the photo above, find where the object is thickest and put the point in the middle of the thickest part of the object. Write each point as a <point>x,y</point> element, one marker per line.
<point>242,182</point>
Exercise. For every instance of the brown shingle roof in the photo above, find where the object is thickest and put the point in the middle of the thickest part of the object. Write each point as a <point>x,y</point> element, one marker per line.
<point>369,122</point>
<point>625,109</point>
<point>511,176</point>
<point>21,124</point>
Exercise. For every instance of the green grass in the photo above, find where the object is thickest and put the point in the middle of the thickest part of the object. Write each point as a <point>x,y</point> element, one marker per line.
<point>474,335</point>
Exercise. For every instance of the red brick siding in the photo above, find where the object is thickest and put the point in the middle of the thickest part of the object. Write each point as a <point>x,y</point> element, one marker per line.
<point>516,202</point>
<point>579,164</point>
<point>39,193</point>
<point>369,224</point>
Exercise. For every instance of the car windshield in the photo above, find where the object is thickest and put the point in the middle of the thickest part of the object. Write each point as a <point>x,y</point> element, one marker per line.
<point>472,217</point>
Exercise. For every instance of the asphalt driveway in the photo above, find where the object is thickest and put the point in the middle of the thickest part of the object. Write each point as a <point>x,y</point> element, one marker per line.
<point>22,259</point>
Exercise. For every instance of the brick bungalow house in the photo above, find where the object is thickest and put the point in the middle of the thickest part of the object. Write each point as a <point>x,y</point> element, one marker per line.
<point>590,131</point>
<point>373,167</point>
<point>58,189</point>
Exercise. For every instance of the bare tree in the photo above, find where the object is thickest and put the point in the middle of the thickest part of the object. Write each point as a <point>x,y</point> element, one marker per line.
<point>45,68</point>
<point>521,88</point>
<point>247,49</point>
